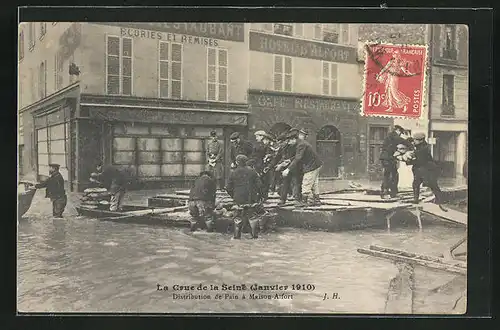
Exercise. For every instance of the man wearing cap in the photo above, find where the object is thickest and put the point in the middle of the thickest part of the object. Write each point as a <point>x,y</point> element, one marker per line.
<point>244,187</point>
<point>389,162</point>
<point>262,154</point>
<point>303,134</point>
<point>115,181</point>
<point>307,160</point>
<point>239,147</point>
<point>54,190</point>
<point>214,158</point>
<point>202,201</point>
<point>425,170</point>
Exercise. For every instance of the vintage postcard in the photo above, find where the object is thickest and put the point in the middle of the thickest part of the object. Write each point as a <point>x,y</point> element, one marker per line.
<point>242,168</point>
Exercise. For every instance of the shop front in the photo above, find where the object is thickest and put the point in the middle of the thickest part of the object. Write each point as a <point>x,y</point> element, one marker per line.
<point>333,124</point>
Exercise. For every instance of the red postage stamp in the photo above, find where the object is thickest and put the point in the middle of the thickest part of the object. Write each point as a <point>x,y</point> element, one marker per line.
<point>394,80</point>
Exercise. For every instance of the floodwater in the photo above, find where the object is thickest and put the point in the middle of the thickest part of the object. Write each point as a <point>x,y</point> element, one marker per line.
<point>78,264</point>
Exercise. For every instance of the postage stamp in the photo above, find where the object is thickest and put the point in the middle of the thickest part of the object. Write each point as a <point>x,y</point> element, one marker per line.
<point>394,80</point>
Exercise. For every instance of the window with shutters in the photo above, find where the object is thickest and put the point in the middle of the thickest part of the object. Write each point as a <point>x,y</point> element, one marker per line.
<point>332,33</point>
<point>448,104</point>
<point>58,71</point>
<point>42,80</point>
<point>170,70</point>
<point>31,36</point>
<point>21,45</point>
<point>450,42</point>
<point>217,77</point>
<point>43,30</point>
<point>283,28</point>
<point>283,73</point>
<point>119,66</point>
<point>329,78</point>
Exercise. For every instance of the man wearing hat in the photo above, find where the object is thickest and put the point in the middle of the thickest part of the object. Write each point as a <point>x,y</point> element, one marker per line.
<point>239,147</point>
<point>389,162</point>
<point>54,189</point>
<point>244,187</point>
<point>215,151</point>
<point>307,160</point>
<point>202,202</point>
<point>425,170</point>
<point>115,181</point>
<point>261,155</point>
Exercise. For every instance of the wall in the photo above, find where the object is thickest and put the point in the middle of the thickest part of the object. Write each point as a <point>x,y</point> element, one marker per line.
<point>145,62</point>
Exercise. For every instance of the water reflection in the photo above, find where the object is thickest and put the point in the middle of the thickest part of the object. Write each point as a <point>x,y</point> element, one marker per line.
<point>79,264</point>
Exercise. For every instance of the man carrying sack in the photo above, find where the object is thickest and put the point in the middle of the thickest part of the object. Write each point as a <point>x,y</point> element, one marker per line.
<point>55,191</point>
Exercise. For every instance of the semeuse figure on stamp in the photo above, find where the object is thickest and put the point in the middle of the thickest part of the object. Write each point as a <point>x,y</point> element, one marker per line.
<point>54,190</point>
<point>202,202</point>
<point>425,170</point>
<point>389,75</point>
<point>215,152</point>
<point>244,186</point>
<point>389,162</point>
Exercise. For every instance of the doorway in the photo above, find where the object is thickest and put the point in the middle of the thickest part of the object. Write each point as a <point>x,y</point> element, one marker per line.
<point>329,149</point>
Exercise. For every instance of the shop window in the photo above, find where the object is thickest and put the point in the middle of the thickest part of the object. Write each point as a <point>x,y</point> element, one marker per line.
<point>448,92</point>
<point>377,137</point>
<point>329,78</point>
<point>283,29</point>
<point>43,30</point>
<point>283,73</point>
<point>51,148</point>
<point>31,36</point>
<point>217,79</point>
<point>170,70</point>
<point>21,45</point>
<point>119,65</point>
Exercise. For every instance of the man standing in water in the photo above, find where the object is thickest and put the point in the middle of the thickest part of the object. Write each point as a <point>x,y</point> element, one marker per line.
<point>55,190</point>
<point>114,181</point>
<point>202,201</point>
<point>244,187</point>
<point>214,158</point>
<point>425,170</point>
<point>389,162</point>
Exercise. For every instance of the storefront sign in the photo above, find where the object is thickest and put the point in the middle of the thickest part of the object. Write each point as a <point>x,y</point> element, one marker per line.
<point>281,45</point>
<point>223,31</point>
<point>170,117</point>
<point>303,102</point>
<point>171,37</point>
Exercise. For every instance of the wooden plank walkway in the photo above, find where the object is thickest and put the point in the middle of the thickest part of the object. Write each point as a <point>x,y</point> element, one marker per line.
<point>451,215</point>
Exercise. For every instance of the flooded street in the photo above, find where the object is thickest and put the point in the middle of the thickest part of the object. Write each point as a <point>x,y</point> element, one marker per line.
<point>78,264</point>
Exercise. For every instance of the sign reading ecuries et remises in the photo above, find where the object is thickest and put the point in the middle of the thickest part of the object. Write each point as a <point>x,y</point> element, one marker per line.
<point>268,43</point>
<point>170,37</point>
<point>222,31</point>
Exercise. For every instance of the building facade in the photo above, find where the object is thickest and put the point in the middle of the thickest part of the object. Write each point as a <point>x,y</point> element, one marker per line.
<point>449,99</point>
<point>307,75</point>
<point>146,98</point>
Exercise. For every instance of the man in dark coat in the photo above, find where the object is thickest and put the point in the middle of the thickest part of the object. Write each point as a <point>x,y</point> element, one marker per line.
<point>115,181</point>
<point>215,152</point>
<point>307,160</point>
<point>389,162</point>
<point>239,147</point>
<point>262,154</point>
<point>425,170</point>
<point>202,201</point>
<point>54,190</point>
<point>244,186</point>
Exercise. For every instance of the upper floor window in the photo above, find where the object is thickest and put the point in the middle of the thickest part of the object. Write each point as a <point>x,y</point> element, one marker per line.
<point>42,80</point>
<point>119,66</point>
<point>43,30</point>
<point>283,28</point>
<point>283,73</point>
<point>31,36</point>
<point>21,45</point>
<point>329,79</point>
<point>299,30</point>
<point>448,106</point>
<point>170,70</point>
<point>449,42</point>
<point>333,33</point>
<point>217,79</point>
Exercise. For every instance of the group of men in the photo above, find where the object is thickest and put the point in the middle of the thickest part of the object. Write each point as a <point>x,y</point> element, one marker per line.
<point>413,151</point>
<point>256,168</point>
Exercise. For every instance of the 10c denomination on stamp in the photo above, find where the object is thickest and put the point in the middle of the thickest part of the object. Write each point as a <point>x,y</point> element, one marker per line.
<point>394,80</point>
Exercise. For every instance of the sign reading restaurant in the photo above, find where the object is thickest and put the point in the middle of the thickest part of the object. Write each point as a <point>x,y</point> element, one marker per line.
<point>222,31</point>
<point>281,45</point>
